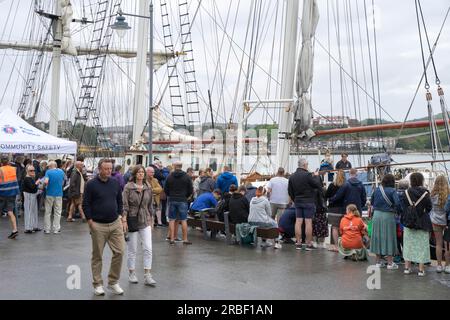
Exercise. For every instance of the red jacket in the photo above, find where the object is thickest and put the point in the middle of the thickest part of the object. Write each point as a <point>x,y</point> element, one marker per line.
<point>352,229</point>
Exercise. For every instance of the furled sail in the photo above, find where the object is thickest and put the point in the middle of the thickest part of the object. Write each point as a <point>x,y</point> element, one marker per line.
<point>66,19</point>
<point>302,105</point>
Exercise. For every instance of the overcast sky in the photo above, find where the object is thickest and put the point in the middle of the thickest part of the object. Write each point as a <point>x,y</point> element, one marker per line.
<point>399,55</point>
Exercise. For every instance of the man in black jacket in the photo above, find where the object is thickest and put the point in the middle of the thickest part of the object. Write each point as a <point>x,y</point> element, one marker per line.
<point>102,205</point>
<point>302,190</point>
<point>238,205</point>
<point>178,189</point>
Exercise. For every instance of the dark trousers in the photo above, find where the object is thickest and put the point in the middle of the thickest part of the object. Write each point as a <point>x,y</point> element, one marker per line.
<point>163,211</point>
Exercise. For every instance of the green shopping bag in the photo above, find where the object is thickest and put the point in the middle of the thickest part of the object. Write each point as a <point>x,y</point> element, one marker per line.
<point>369,228</point>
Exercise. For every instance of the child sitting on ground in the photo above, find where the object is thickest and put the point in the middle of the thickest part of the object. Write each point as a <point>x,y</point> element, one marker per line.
<point>353,230</point>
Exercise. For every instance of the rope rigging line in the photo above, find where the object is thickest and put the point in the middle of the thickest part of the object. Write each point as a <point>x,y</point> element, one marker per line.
<point>371,68</point>
<point>362,60</point>
<point>356,101</point>
<point>269,82</point>
<point>205,56</point>
<point>423,74</point>
<point>218,69</point>
<point>427,85</point>
<point>253,46</point>
<point>437,81</point>
<point>330,82</point>
<point>434,137</point>
<point>235,100</point>
<point>377,71</point>
<point>29,17</point>
<point>3,32</point>
<point>348,74</point>
<point>338,35</point>
<point>239,47</point>
<point>351,56</point>
<point>222,90</point>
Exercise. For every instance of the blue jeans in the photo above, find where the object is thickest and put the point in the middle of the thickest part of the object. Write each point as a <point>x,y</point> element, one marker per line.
<point>178,210</point>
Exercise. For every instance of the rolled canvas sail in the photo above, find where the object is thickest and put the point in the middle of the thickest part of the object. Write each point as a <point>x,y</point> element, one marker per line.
<point>302,105</point>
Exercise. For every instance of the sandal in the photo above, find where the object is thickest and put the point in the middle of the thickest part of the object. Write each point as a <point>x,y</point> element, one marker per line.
<point>187,242</point>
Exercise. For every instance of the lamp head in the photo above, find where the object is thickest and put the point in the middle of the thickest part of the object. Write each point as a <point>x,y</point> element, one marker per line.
<point>120,26</point>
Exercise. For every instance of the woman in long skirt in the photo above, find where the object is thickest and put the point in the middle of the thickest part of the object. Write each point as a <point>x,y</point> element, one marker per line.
<point>30,190</point>
<point>416,245</point>
<point>386,204</point>
<point>320,221</point>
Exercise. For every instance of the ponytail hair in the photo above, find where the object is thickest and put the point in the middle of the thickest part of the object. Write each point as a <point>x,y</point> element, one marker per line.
<point>353,209</point>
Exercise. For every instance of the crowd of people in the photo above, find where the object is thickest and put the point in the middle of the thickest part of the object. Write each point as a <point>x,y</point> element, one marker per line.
<point>121,210</point>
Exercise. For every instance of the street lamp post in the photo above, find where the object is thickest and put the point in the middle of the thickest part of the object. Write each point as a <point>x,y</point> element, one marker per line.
<point>121,27</point>
<point>150,112</point>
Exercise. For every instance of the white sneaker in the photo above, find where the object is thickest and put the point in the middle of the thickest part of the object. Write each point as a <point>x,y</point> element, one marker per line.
<point>407,271</point>
<point>380,265</point>
<point>57,231</point>
<point>277,245</point>
<point>132,277</point>
<point>447,269</point>
<point>148,280</point>
<point>392,266</point>
<point>421,273</point>
<point>265,244</point>
<point>99,291</point>
<point>439,269</point>
<point>46,232</point>
<point>116,289</point>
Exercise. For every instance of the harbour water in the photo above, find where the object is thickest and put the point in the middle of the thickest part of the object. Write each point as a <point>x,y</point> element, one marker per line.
<point>356,160</point>
<point>264,165</point>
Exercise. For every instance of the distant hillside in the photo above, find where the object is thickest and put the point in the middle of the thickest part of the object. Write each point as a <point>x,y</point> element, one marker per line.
<point>416,143</point>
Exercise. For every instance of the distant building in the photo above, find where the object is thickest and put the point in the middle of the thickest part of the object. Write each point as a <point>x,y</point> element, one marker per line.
<point>64,127</point>
<point>334,121</point>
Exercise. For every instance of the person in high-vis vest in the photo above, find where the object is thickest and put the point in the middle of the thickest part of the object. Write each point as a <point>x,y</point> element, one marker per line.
<point>9,189</point>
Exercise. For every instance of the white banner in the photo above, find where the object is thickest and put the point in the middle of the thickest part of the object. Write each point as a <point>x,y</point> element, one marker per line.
<point>17,136</point>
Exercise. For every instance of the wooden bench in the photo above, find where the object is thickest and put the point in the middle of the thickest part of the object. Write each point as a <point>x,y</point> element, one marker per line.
<point>216,226</point>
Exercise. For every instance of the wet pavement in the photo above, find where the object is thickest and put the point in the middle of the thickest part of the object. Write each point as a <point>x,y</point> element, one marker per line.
<point>34,267</point>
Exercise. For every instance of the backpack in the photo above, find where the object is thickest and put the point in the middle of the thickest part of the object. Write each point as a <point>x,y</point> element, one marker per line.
<point>412,218</point>
<point>220,209</point>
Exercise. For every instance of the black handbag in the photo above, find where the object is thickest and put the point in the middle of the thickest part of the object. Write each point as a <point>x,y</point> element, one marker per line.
<point>447,233</point>
<point>133,222</point>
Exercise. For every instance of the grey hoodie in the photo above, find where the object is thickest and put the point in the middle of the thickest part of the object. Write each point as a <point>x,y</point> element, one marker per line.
<point>259,210</point>
<point>206,185</point>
